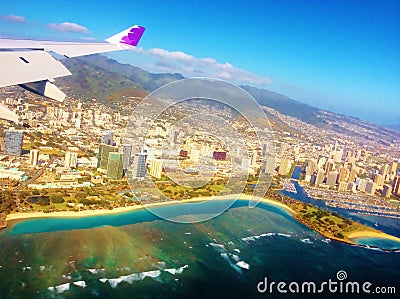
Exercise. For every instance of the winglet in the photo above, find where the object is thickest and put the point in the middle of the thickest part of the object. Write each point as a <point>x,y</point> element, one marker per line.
<point>130,36</point>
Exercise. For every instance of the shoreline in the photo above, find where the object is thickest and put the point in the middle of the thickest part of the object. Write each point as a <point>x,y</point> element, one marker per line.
<point>86,213</point>
<point>370,234</point>
<point>98,212</point>
<point>350,238</point>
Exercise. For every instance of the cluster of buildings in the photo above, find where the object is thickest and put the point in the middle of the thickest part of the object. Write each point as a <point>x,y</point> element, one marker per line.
<point>115,160</point>
<point>362,161</point>
<point>349,172</point>
<point>348,183</point>
<point>93,136</point>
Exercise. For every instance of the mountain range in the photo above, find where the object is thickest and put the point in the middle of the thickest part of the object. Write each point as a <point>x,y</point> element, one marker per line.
<point>107,80</point>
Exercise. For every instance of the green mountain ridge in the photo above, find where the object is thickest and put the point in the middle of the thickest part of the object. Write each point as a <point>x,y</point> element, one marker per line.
<point>89,82</point>
<point>284,104</point>
<point>147,80</point>
<point>126,74</point>
<point>103,78</point>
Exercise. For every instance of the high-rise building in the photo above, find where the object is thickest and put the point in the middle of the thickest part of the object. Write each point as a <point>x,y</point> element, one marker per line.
<point>296,153</point>
<point>102,158</point>
<point>253,160</point>
<point>313,179</point>
<point>268,166</point>
<point>151,153</point>
<point>331,179</point>
<point>337,156</point>
<point>195,155</point>
<point>321,162</point>
<point>139,165</point>
<point>320,177</point>
<point>343,172</point>
<point>159,131</point>
<point>219,155</point>
<point>352,175</point>
<point>126,155</point>
<point>393,169</point>
<point>387,191</point>
<point>396,186</point>
<point>204,149</point>
<point>311,167</point>
<point>385,170</point>
<point>349,155</point>
<point>362,184</point>
<point>329,166</point>
<point>156,166</point>
<point>283,149</point>
<point>107,137</point>
<point>117,117</point>
<point>78,123</point>
<point>13,143</point>
<point>264,149</point>
<point>351,186</point>
<point>115,166</point>
<point>176,135</point>
<point>370,187</point>
<point>1,144</point>
<point>71,157</point>
<point>379,181</point>
<point>285,166</point>
<point>358,154</point>
<point>33,157</point>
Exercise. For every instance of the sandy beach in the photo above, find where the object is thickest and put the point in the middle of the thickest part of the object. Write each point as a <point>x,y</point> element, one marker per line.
<point>86,213</point>
<point>371,234</point>
<point>267,201</point>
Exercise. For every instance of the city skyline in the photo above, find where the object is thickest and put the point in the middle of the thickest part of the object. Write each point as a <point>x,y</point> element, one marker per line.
<point>340,56</point>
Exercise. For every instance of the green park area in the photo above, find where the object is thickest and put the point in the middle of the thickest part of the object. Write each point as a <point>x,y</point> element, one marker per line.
<point>326,223</point>
<point>50,200</point>
<point>177,192</point>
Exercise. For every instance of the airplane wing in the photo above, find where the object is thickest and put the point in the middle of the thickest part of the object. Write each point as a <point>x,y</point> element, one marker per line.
<point>29,66</point>
<point>27,63</point>
<point>120,41</point>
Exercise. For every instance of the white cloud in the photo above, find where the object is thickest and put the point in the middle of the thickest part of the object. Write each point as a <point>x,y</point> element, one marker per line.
<point>190,66</point>
<point>69,27</point>
<point>87,38</point>
<point>14,18</point>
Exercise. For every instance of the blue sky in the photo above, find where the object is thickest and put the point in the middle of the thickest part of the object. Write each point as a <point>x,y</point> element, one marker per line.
<point>342,56</point>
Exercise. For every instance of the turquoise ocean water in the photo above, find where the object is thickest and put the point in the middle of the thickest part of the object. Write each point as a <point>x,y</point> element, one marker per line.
<point>137,255</point>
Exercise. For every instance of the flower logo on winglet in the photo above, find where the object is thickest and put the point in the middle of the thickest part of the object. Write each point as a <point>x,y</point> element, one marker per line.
<point>134,35</point>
